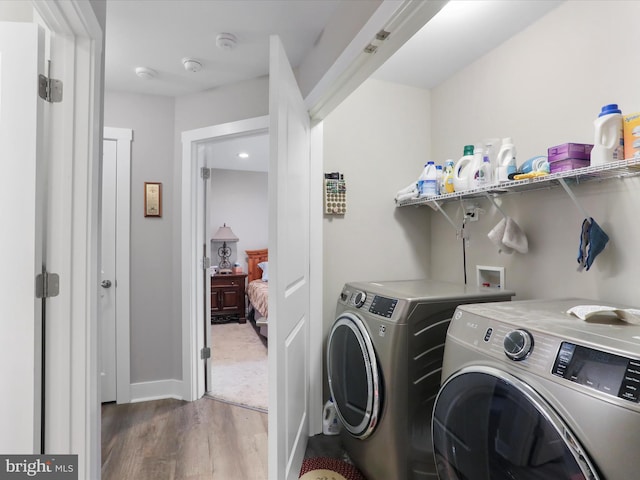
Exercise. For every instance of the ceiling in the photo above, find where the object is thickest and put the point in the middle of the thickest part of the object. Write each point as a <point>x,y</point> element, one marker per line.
<point>159,34</point>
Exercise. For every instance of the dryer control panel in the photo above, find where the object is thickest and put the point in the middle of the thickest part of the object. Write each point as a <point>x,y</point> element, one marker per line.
<point>602,371</point>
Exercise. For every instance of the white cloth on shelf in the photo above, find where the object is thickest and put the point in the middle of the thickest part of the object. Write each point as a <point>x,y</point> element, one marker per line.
<point>407,193</point>
<point>406,196</point>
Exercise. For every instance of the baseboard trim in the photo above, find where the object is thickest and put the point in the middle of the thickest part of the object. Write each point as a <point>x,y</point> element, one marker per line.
<point>158,390</point>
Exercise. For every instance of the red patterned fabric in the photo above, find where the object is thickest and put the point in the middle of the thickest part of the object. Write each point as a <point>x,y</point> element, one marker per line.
<point>345,469</point>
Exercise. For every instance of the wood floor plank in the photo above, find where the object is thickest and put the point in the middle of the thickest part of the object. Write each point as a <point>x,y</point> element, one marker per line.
<point>176,440</point>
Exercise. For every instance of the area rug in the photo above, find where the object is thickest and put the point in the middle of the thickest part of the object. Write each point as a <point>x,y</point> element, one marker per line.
<point>239,366</point>
<point>329,469</point>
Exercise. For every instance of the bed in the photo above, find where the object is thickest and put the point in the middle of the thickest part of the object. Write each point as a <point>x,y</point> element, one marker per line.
<point>258,288</point>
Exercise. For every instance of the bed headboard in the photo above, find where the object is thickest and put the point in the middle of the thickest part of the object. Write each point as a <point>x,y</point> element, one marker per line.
<point>254,257</point>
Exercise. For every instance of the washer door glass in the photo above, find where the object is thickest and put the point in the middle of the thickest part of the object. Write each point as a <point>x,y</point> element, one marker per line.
<point>489,425</point>
<point>353,376</point>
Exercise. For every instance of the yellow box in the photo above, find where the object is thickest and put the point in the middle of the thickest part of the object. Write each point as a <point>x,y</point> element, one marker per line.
<point>631,133</point>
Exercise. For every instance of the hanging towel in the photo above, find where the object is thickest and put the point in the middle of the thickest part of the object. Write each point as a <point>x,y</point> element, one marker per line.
<point>497,234</point>
<point>514,237</point>
<point>592,241</point>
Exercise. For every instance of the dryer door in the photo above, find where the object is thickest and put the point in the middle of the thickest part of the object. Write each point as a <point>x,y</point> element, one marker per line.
<point>487,424</point>
<point>354,377</point>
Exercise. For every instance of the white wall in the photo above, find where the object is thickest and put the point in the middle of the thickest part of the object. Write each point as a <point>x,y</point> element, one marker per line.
<point>545,87</point>
<point>239,199</point>
<point>379,138</point>
<point>16,11</point>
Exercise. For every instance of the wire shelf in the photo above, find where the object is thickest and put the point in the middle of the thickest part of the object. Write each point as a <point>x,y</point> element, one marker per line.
<point>618,169</point>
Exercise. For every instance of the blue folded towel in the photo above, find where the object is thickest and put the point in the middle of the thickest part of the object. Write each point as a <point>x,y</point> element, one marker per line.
<point>592,241</point>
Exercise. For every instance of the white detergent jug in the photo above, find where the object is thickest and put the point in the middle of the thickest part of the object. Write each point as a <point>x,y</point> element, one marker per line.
<point>480,171</point>
<point>330,422</point>
<point>506,160</point>
<point>462,169</point>
<point>608,144</point>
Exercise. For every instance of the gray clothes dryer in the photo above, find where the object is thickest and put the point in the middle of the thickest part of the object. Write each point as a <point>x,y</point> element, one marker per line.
<point>384,358</point>
<point>533,393</point>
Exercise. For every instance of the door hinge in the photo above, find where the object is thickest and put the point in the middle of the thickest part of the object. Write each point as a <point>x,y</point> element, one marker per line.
<point>205,353</point>
<point>382,35</point>
<point>206,263</point>
<point>49,89</point>
<point>371,48</point>
<point>47,285</point>
<point>205,173</point>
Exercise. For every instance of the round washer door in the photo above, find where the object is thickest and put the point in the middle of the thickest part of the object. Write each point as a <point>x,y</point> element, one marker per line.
<point>487,424</point>
<point>354,378</point>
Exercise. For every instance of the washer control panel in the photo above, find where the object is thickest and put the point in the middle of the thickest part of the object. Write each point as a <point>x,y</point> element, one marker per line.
<point>608,373</point>
<point>383,306</point>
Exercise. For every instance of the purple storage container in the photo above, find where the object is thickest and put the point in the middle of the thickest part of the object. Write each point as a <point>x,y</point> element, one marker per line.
<point>569,156</point>
<point>567,164</point>
<point>577,151</point>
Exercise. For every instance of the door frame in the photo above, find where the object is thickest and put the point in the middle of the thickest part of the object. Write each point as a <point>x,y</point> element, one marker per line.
<point>193,285</point>
<point>123,138</point>
<point>73,413</point>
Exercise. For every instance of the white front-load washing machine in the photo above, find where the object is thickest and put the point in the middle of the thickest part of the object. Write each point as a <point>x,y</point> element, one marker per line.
<point>532,393</point>
<point>384,358</point>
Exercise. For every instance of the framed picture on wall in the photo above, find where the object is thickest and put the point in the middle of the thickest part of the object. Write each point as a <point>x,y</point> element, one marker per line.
<point>152,199</point>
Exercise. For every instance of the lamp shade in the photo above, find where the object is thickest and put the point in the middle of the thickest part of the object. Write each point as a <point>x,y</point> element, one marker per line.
<point>225,234</point>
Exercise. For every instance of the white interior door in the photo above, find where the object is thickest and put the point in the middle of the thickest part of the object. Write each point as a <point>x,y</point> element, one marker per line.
<point>108,372</point>
<point>114,289</point>
<point>288,269</point>
<point>22,193</point>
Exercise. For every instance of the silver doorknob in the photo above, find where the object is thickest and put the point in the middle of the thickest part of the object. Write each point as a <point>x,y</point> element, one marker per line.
<point>106,283</point>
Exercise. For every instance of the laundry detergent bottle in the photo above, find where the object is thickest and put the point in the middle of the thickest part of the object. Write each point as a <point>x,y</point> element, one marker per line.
<point>608,144</point>
<point>447,177</point>
<point>481,169</point>
<point>462,169</point>
<point>506,160</point>
<point>330,422</point>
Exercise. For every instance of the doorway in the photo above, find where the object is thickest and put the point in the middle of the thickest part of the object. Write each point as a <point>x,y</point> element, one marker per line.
<point>194,235</point>
<point>237,197</point>
<point>114,294</point>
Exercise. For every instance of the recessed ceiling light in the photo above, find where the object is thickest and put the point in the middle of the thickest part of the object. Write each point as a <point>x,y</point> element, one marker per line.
<point>243,155</point>
<point>146,73</point>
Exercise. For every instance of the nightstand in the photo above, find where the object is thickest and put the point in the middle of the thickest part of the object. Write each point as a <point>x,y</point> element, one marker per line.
<point>228,296</point>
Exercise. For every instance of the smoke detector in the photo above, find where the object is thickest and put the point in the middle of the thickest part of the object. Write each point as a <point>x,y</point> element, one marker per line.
<point>146,73</point>
<point>191,65</point>
<point>226,41</point>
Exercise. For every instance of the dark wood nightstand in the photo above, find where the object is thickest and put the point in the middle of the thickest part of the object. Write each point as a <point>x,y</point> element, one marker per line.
<point>228,296</point>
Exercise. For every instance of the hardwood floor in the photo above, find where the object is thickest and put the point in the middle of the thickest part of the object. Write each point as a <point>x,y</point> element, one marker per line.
<point>176,440</point>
